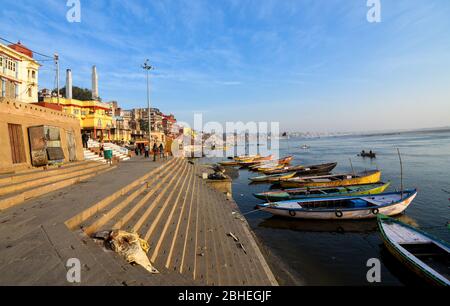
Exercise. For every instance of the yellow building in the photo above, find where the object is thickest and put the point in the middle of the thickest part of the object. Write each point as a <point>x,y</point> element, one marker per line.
<point>18,73</point>
<point>93,115</point>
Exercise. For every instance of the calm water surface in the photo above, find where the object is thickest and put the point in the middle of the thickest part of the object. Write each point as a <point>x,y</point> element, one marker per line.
<point>336,253</point>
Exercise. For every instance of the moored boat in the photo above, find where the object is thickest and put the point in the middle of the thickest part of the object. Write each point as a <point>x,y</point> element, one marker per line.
<point>343,208</point>
<point>273,178</point>
<point>422,253</point>
<point>333,180</point>
<point>246,157</point>
<point>305,170</point>
<point>255,161</point>
<point>304,193</point>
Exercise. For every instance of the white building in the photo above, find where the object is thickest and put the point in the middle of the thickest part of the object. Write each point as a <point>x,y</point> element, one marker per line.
<point>18,73</point>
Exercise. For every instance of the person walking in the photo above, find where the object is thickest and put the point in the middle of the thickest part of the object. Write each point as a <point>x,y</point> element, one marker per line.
<point>136,150</point>
<point>155,151</point>
<point>147,149</point>
<point>102,150</point>
<point>85,139</point>
<point>161,151</point>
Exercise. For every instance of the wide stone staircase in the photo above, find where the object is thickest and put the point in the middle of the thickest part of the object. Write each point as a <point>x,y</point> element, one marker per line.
<point>19,187</point>
<point>196,235</point>
<point>118,151</point>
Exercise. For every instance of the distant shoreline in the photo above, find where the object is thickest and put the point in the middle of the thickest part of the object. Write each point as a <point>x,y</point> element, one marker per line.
<point>374,133</point>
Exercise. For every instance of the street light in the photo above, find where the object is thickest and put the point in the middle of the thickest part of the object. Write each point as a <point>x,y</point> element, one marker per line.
<point>147,67</point>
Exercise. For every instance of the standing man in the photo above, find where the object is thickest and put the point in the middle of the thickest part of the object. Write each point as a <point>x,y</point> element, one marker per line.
<point>85,139</point>
<point>161,151</point>
<point>155,151</point>
<point>147,149</point>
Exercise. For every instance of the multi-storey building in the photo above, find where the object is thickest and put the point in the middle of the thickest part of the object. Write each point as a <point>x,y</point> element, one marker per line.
<point>18,73</point>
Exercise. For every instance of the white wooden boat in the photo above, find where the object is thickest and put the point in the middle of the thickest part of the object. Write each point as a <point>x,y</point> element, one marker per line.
<point>422,253</point>
<point>342,208</point>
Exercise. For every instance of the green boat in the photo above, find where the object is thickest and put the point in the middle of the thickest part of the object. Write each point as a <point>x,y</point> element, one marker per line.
<point>422,253</point>
<point>305,193</point>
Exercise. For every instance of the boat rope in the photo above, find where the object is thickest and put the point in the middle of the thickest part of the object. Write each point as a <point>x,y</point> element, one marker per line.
<point>253,211</point>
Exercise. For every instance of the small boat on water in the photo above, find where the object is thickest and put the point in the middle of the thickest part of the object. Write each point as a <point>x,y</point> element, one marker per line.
<point>343,208</point>
<point>272,178</point>
<point>236,161</point>
<point>272,164</point>
<point>368,154</point>
<point>333,180</point>
<point>246,157</point>
<point>305,147</point>
<point>305,193</point>
<point>305,170</point>
<point>229,163</point>
<point>422,253</point>
<point>254,161</point>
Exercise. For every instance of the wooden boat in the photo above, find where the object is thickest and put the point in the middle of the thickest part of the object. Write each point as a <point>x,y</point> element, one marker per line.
<point>238,160</point>
<point>343,208</point>
<point>254,161</point>
<point>272,178</point>
<point>246,157</point>
<point>424,254</point>
<point>275,164</point>
<point>371,155</point>
<point>305,170</point>
<point>334,180</point>
<point>304,193</point>
<point>229,163</point>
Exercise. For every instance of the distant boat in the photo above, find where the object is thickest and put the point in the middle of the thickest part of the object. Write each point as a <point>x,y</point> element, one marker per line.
<point>368,154</point>
<point>305,193</point>
<point>422,253</point>
<point>343,208</point>
<point>305,147</point>
<point>333,180</point>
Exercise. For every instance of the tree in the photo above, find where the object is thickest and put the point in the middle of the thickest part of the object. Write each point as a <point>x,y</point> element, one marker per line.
<point>82,94</point>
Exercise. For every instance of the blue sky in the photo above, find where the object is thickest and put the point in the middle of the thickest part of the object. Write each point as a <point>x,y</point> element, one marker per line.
<point>312,65</point>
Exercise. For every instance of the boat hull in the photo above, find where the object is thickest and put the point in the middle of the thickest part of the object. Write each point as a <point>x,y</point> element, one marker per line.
<point>285,196</point>
<point>410,262</point>
<point>343,214</point>
<point>368,179</point>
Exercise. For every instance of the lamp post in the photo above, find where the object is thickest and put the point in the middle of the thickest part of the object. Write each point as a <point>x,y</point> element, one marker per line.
<point>147,67</point>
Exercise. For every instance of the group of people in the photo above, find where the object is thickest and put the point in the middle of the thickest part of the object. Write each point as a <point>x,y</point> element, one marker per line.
<point>156,150</point>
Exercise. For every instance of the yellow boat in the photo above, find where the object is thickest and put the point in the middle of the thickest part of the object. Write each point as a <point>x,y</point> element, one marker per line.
<point>261,168</point>
<point>238,160</point>
<point>273,178</point>
<point>335,180</point>
<point>245,158</point>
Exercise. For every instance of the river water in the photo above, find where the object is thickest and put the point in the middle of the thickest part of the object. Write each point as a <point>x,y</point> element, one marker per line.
<point>336,253</point>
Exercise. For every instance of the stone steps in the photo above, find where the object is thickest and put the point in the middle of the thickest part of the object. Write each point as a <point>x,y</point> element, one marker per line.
<point>15,194</point>
<point>185,223</point>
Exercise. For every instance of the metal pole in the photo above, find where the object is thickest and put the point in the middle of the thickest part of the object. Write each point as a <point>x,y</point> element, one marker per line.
<point>148,67</point>
<point>149,110</point>
<point>56,56</point>
<point>351,164</point>
<point>401,170</point>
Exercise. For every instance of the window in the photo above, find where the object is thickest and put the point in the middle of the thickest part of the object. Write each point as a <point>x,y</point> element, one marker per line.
<point>76,111</point>
<point>33,74</point>
<point>30,92</point>
<point>1,61</point>
<point>3,88</point>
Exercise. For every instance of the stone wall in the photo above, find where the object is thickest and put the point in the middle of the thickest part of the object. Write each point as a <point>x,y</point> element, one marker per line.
<point>28,115</point>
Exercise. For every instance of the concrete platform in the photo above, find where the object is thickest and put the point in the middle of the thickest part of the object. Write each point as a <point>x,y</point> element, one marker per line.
<point>185,222</point>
